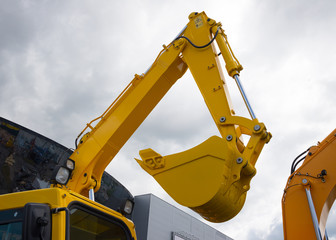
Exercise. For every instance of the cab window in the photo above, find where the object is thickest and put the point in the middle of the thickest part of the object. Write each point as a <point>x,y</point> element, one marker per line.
<point>90,225</point>
<point>11,224</point>
<point>11,231</point>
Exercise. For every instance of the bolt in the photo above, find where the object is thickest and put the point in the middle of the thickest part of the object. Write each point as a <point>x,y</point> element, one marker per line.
<point>229,137</point>
<point>239,160</point>
<point>256,128</point>
<point>304,181</point>
<point>222,119</point>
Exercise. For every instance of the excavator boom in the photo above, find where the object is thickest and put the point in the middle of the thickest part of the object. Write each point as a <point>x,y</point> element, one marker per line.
<point>310,192</point>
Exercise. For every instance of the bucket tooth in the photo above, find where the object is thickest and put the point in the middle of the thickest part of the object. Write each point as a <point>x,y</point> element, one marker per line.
<point>151,159</point>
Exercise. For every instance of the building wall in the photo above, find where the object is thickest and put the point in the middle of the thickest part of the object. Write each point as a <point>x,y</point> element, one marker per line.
<point>156,219</point>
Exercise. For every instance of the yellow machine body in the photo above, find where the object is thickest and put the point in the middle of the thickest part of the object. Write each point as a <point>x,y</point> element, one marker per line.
<point>71,215</point>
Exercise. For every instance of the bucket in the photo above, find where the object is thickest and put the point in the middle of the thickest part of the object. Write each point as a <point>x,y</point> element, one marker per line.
<point>211,179</point>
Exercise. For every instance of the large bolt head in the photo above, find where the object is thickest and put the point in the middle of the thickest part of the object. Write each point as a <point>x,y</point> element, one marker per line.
<point>239,160</point>
<point>256,127</point>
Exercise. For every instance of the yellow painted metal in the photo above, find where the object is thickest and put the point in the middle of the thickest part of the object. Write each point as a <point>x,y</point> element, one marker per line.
<point>204,178</point>
<point>230,180</point>
<point>52,197</point>
<point>297,220</point>
<point>212,178</point>
<point>232,64</point>
<point>58,198</point>
<point>121,120</point>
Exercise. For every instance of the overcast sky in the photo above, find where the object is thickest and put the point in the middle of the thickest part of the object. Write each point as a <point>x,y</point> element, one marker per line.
<point>63,62</point>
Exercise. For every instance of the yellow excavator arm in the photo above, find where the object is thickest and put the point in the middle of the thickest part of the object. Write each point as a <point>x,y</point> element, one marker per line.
<point>212,178</point>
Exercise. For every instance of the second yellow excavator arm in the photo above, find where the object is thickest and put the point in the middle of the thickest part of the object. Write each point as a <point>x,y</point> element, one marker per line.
<point>212,178</point>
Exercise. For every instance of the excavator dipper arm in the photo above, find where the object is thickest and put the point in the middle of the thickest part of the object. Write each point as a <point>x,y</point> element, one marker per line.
<point>212,178</point>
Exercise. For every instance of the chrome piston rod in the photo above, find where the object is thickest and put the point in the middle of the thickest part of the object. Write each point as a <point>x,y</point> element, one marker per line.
<point>91,194</point>
<point>313,215</point>
<point>247,103</point>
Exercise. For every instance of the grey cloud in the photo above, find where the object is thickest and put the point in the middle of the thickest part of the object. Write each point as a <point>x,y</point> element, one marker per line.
<point>49,65</point>
<point>16,27</point>
<point>274,232</point>
<point>62,63</point>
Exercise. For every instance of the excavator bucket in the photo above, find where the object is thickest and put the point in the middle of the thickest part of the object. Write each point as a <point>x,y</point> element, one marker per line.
<point>211,179</point>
